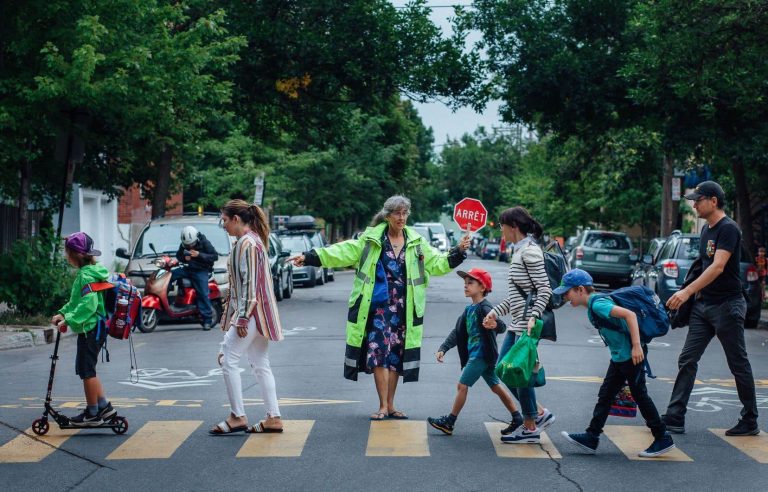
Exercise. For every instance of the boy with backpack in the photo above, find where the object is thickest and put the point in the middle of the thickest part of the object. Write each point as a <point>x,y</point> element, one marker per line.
<point>477,350</point>
<point>619,328</point>
<point>85,314</point>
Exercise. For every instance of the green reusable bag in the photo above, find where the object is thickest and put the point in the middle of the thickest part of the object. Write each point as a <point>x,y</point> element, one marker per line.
<point>516,368</point>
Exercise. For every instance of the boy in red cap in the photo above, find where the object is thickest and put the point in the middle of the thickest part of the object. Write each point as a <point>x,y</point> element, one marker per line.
<point>477,350</point>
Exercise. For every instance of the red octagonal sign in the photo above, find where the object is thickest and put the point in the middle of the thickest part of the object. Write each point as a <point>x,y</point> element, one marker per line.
<point>470,214</point>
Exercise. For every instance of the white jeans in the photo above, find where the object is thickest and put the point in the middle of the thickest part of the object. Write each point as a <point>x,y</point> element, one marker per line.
<point>255,346</point>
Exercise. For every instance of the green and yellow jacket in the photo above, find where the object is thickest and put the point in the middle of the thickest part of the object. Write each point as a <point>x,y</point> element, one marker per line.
<point>421,261</point>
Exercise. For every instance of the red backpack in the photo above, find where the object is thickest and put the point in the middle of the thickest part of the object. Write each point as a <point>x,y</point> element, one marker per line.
<point>122,301</point>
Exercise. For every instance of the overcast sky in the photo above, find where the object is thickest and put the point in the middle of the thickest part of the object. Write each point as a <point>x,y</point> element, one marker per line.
<point>446,123</point>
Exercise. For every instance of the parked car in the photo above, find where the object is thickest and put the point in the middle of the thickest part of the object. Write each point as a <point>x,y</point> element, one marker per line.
<point>162,237</point>
<point>318,241</point>
<point>427,234</point>
<point>282,270</point>
<point>642,267</point>
<point>296,243</point>
<point>489,251</point>
<point>668,269</point>
<point>606,255</point>
<point>570,243</point>
<point>438,232</point>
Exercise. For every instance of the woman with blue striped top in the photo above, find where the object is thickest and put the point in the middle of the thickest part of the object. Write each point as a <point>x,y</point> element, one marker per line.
<point>526,275</point>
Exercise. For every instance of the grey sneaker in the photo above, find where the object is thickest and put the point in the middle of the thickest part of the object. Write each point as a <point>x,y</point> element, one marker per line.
<point>107,412</point>
<point>523,436</point>
<point>545,419</point>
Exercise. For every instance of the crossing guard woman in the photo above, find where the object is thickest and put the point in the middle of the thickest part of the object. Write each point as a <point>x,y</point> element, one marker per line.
<point>386,308</point>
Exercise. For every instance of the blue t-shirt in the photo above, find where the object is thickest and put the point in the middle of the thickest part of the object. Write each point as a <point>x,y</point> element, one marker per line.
<point>474,342</point>
<point>617,339</point>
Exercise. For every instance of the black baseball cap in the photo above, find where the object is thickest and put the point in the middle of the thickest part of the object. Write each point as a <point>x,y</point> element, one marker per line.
<point>707,189</point>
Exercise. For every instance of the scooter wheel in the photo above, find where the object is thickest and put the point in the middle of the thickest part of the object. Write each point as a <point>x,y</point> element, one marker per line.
<point>120,425</point>
<point>40,427</point>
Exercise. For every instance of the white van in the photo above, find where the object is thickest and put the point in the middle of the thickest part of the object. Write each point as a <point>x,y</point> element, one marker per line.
<point>438,232</point>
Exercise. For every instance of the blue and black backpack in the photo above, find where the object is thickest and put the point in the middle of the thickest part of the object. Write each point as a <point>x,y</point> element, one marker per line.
<point>652,317</point>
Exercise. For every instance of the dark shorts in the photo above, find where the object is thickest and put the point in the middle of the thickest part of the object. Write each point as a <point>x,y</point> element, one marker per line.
<point>88,347</point>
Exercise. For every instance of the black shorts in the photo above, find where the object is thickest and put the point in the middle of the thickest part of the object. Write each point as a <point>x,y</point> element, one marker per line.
<point>88,347</point>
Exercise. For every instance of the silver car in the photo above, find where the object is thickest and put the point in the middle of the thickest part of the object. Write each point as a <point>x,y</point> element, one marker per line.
<point>162,237</point>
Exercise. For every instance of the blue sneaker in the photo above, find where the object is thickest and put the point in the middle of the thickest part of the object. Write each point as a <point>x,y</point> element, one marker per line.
<point>545,419</point>
<point>586,441</point>
<point>659,446</point>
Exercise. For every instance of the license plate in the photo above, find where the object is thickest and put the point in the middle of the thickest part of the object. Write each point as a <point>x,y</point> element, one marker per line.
<point>608,258</point>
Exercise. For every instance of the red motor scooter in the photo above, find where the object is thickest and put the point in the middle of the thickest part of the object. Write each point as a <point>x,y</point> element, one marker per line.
<point>157,302</point>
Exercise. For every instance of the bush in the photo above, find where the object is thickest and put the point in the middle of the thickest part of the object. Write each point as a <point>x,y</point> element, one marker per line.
<point>32,283</point>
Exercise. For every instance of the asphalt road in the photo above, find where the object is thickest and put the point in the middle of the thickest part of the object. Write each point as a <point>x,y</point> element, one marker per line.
<point>330,444</point>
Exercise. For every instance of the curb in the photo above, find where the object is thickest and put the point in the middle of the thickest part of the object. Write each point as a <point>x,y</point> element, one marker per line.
<point>21,336</point>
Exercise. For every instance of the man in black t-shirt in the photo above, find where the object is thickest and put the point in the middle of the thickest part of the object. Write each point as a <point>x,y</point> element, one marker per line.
<point>719,310</point>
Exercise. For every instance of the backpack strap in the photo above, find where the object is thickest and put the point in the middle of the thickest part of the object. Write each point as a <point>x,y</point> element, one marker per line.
<point>96,287</point>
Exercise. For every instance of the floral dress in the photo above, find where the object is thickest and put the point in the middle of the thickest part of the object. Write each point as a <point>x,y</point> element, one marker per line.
<point>386,328</point>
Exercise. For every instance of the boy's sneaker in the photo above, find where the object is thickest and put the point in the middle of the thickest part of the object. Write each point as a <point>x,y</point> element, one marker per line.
<point>443,424</point>
<point>659,446</point>
<point>586,441</point>
<point>523,436</point>
<point>743,428</point>
<point>85,419</point>
<point>545,419</point>
<point>107,412</point>
<point>675,426</point>
<point>512,427</point>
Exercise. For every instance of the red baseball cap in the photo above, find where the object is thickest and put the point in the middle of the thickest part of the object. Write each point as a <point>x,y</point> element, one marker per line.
<point>480,275</point>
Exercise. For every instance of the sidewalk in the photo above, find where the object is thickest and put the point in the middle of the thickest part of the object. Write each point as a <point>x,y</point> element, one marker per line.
<point>13,336</point>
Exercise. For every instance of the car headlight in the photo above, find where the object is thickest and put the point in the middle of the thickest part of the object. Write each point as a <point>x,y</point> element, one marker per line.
<point>159,263</point>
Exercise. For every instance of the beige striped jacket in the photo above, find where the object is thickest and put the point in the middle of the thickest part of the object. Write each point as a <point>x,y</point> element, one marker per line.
<point>251,291</point>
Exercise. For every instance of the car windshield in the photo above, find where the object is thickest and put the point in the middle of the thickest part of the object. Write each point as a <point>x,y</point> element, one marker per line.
<point>423,231</point>
<point>689,248</point>
<point>606,241</point>
<point>295,244</point>
<point>166,238</point>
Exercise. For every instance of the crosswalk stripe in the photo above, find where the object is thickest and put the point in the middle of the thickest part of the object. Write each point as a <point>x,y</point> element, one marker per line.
<point>631,439</point>
<point>756,447</point>
<point>289,443</point>
<point>155,439</point>
<point>398,438</point>
<point>26,449</point>
<point>545,450</point>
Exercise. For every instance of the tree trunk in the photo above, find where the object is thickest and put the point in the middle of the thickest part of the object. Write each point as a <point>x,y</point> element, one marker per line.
<point>743,213</point>
<point>162,183</point>
<point>667,204</point>
<point>22,230</point>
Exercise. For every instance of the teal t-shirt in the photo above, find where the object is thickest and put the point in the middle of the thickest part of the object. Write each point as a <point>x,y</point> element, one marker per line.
<point>617,339</point>
<point>474,343</point>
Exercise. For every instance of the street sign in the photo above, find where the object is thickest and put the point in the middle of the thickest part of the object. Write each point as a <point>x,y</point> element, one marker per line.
<point>470,214</point>
<point>676,182</point>
<point>258,182</point>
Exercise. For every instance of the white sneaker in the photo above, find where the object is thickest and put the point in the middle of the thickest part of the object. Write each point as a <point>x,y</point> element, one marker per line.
<point>545,419</point>
<point>523,436</point>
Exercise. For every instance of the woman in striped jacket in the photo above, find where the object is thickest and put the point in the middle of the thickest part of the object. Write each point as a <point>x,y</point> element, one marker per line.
<point>250,317</point>
<point>526,275</point>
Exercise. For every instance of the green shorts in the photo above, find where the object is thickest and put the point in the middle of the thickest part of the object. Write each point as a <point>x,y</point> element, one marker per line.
<point>476,368</point>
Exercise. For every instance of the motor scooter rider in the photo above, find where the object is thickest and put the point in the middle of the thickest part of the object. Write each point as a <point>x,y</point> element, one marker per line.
<point>198,256</point>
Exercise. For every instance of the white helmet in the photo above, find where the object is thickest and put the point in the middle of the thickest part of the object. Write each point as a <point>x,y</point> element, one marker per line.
<point>188,236</point>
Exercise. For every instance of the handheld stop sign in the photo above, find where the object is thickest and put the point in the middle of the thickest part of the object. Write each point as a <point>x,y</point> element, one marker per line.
<point>470,214</point>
